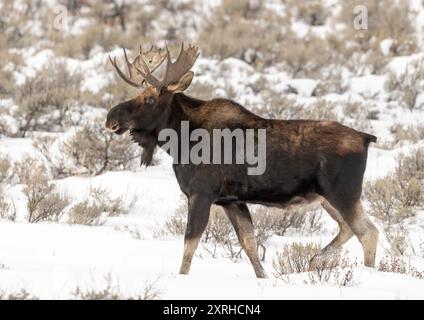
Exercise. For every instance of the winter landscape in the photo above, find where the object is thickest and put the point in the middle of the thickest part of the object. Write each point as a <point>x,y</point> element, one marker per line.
<point>81,219</point>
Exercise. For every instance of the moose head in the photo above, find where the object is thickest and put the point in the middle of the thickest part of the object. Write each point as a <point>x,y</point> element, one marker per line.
<point>152,107</point>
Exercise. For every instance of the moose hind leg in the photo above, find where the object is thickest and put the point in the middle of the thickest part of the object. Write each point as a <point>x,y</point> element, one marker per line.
<point>198,216</point>
<point>345,233</point>
<point>240,218</point>
<point>365,231</point>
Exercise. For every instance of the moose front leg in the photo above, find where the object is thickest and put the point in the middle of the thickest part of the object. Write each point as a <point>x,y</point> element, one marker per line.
<point>198,216</point>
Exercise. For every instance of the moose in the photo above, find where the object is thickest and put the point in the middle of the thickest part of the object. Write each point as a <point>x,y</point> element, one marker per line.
<point>307,161</point>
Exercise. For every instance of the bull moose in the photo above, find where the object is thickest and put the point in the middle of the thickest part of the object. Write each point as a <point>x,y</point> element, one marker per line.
<point>306,161</point>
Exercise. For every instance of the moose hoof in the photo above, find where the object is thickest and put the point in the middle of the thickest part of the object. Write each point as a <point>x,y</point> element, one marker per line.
<point>324,260</point>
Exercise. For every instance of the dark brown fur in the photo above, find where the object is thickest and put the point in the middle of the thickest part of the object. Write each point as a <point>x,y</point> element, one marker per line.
<point>306,161</point>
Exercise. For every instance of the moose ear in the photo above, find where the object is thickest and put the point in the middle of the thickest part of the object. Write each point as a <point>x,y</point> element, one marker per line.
<point>182,84</point>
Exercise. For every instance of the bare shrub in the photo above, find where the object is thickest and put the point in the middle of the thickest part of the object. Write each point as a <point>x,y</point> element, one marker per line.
<point>311,12</point>
<point>117,91</point>
<point>410,134</point>
<point>277,106</point>
<point>398,239</point>
<point>80,46</point>
<point>223,39</point>
<point>232,27</point>
<point>85,213</point>
<point>7,209</point>
<point>5,169</point>
<point>283,107</point>
<point>304,57</point>
<point>112,292</point>
<point>43,202</point>
<point>45,99</point>
<point>15,24</point>
<point>294,258</point>
<point>405,87</point>
<point>382,195</point>
<point>386,20</point>
<point>397,196</point>
<point>246,9</point>
<point>133,231</point>
<point>219,236</point>
<point>27,167</point>
<point>93,151</point>
<point>264,225</point>
<point>392,264</point>
<point>99,204</point>
<point>58,167</point>
<point>202,90</point>
<point>333,270</point>
<point>220,233</point>
<point>6,76</point>
<point>357,115</point>
<point>177,223</point>
<point>313,221</point>
<point>18,295</point>
<point>411,166</point>
<point>331,81</point>
<point>321,109</point>
<point>280,221</point>
<point>396,264</point>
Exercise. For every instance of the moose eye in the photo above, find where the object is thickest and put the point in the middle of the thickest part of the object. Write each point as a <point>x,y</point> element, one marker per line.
<point>150,101</point>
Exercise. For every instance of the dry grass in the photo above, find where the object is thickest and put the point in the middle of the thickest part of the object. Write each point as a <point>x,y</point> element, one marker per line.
<point>386,20</point>
<point>233,26</point>
<point>17,295</point>
<point>402,133</point>
<point>112,291</point>
<point>93,151</point>
<point>6,171</point>
<point>312,12</point>
<point>7,208</point>
<point>395,197</point>
<point>294,258</point>
<point>95,208</point>
<point>405,87</point>
<point>46,99</point>
<point>396,264</point>
<point>43,202</point>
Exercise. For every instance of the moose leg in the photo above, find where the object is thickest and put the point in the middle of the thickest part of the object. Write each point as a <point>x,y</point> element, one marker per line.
<point>198,216</point>
<point>345,233</point>
<point>240,218</point>
<point>365,231</point>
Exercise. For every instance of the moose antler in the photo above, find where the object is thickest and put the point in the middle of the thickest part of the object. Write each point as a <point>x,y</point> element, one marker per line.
<point>174,70</point>
<point>149,60</point>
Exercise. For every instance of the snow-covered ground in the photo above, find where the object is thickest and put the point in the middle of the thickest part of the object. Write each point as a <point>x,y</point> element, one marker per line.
<point>53,259</point>
<point>50,260</point>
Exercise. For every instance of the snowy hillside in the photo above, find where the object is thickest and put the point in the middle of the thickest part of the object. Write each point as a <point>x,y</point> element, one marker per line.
<point>79,218</point>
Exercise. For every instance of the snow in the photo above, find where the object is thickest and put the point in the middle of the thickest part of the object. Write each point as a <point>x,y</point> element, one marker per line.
<point>50,260</point>
<point>367,86</point>
<point>385,46</point>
